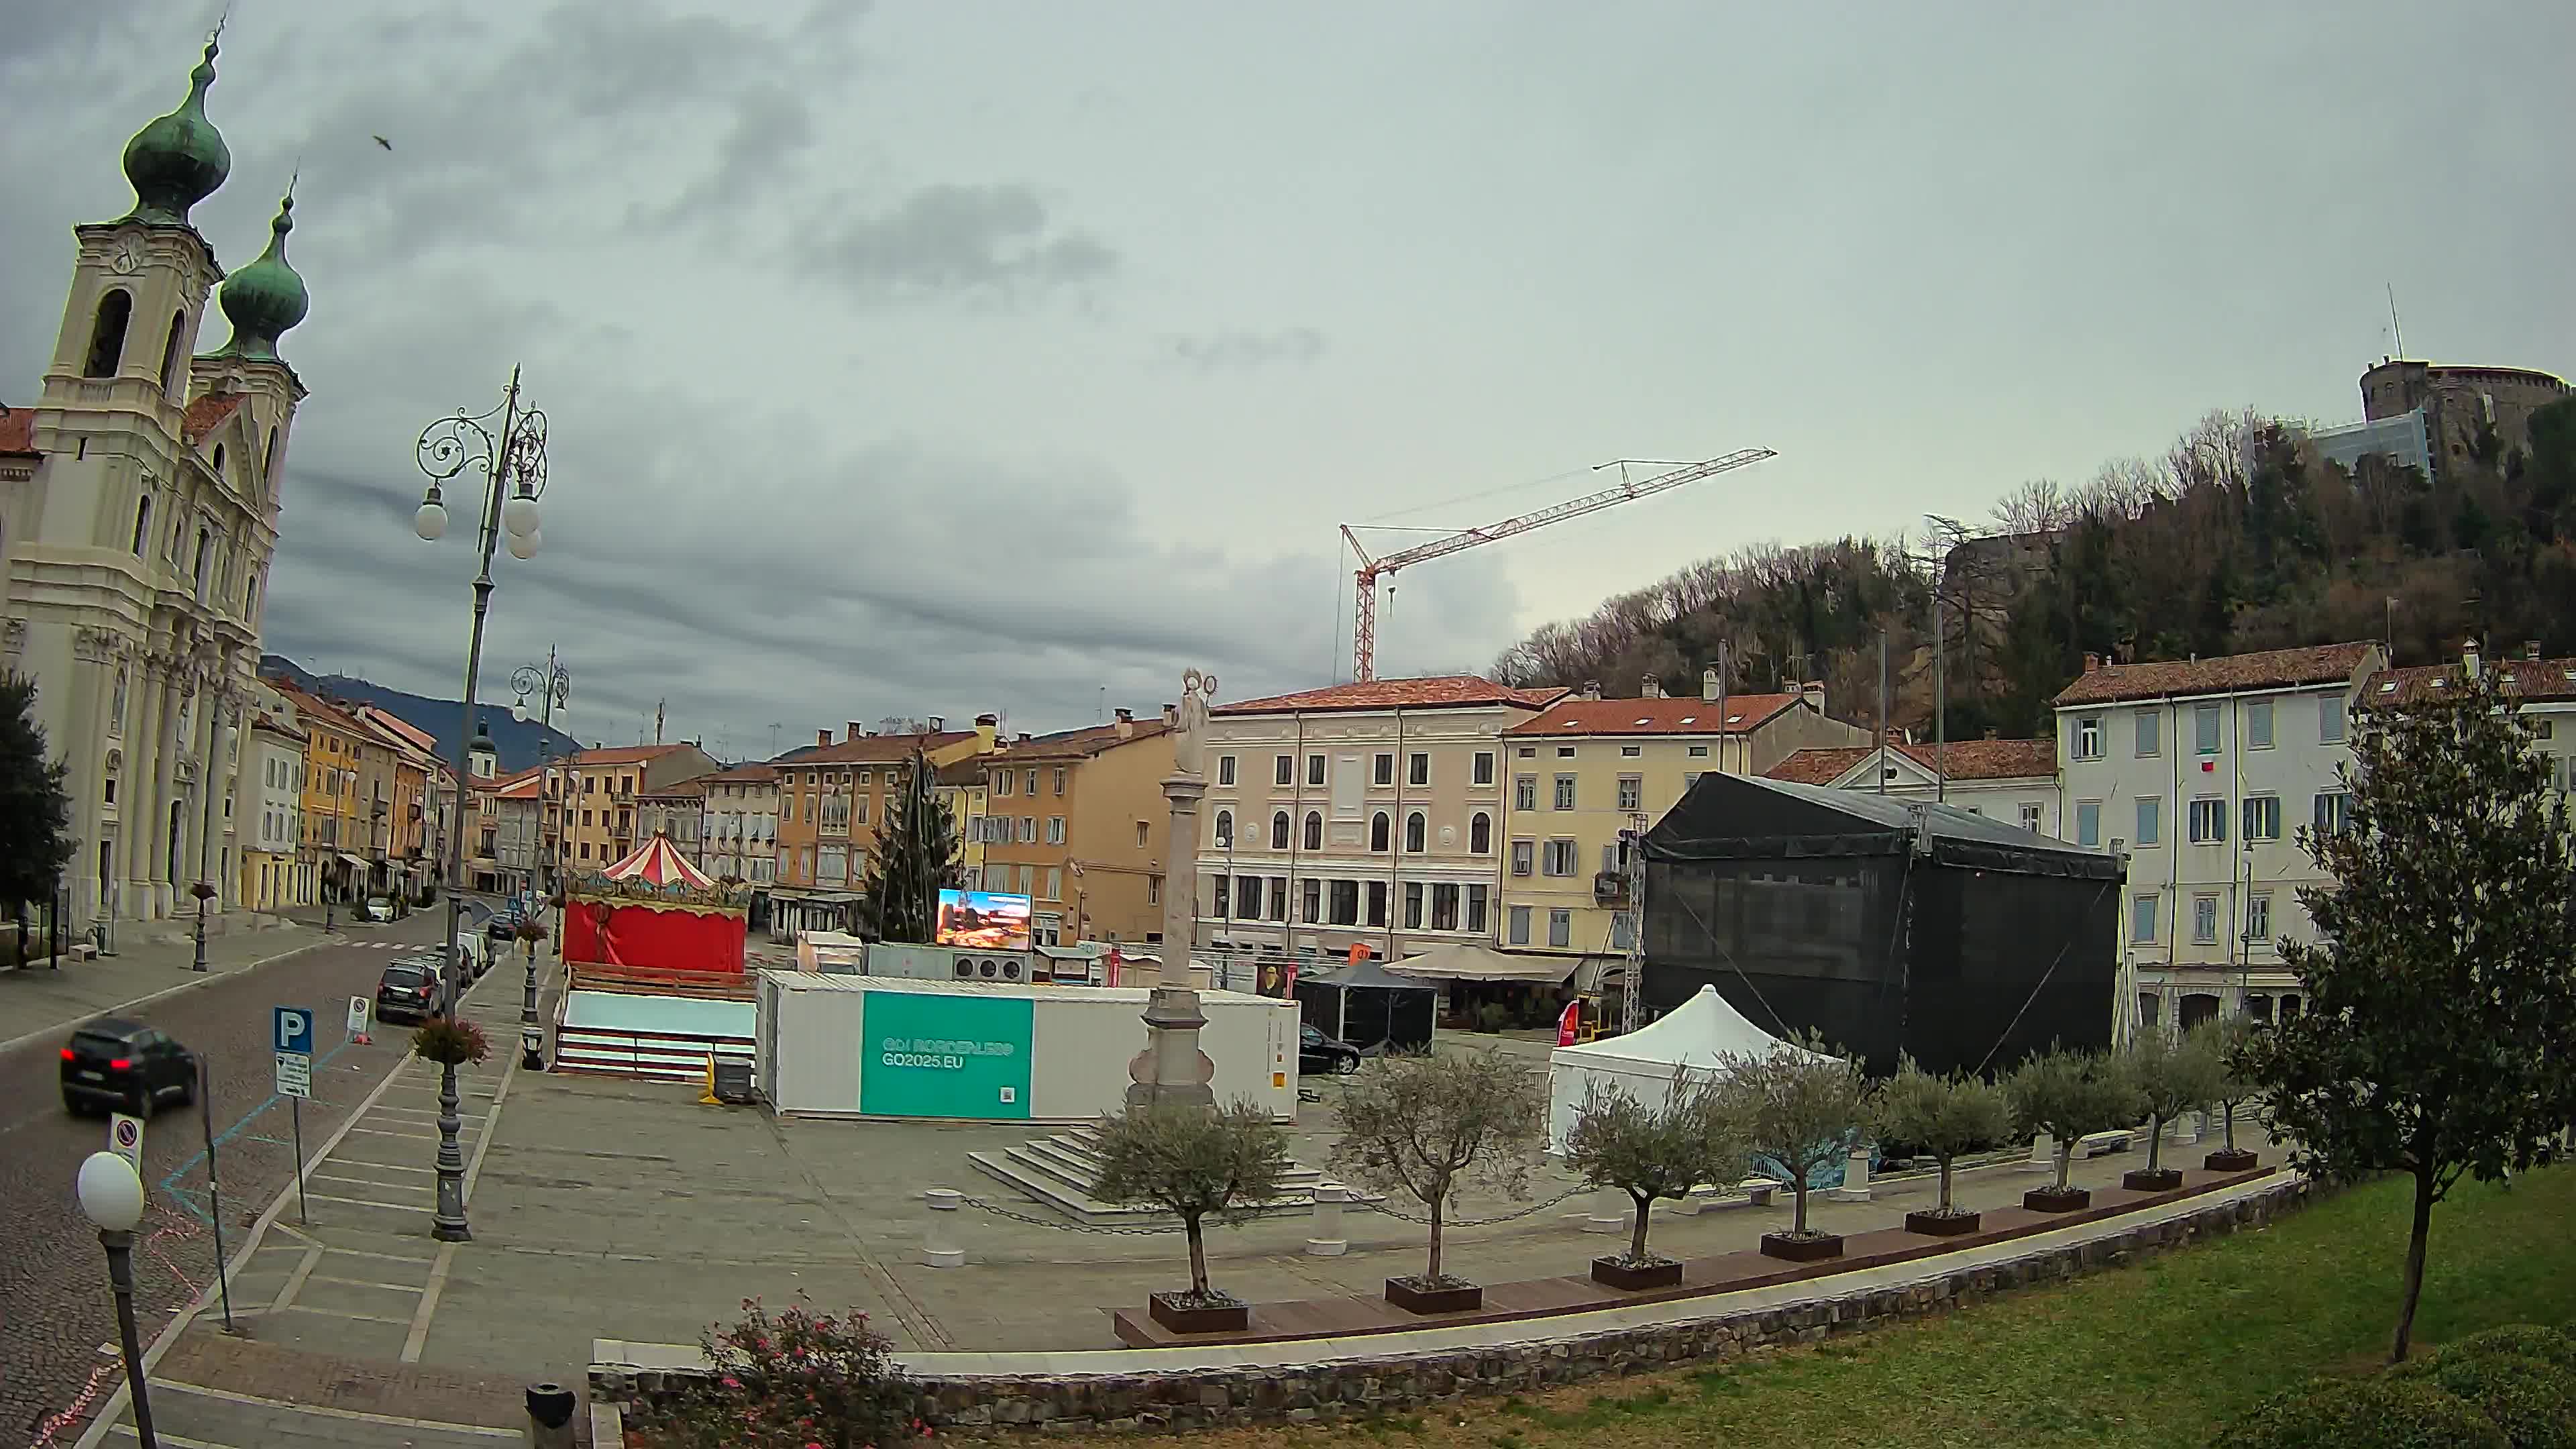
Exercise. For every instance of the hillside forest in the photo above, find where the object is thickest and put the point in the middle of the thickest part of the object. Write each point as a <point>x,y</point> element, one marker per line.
<point>2237,538</point>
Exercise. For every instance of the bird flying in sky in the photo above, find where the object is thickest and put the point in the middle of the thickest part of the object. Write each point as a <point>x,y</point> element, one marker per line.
<point>381,141</point>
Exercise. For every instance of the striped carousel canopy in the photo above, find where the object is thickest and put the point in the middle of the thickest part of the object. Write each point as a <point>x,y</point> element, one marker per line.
<point>655,863</point>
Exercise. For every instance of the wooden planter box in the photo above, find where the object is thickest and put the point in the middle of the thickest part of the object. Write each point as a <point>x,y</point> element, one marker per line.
<point>1802,1250</point>
<point>2227,1159</point>
<point>2161,1179</point>
<point>1616,1273</point>
<point>2051,1200</point>
<point>1460,1298</point>
<point>1941,1225</point>
<point>1199,1318</point>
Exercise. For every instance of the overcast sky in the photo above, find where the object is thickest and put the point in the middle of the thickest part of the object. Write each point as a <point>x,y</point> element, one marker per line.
<point>935,358</point>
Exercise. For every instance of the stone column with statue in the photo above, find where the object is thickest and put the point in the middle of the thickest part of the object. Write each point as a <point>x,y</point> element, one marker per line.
<point>1171,1070</point>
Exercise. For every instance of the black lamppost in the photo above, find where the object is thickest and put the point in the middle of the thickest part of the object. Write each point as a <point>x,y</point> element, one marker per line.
<point>204,893</point>
<point>550,682</point>
<point>111,1197</point>
<point>514,475</point>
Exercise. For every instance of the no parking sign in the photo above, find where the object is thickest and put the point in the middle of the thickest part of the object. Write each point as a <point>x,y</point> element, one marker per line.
<point>125,1139</point>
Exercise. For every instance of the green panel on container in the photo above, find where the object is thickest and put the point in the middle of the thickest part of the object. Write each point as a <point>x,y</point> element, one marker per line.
<point>934,1054</point>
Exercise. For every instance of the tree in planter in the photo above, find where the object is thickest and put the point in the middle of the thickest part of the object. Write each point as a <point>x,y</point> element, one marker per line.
<point>2070,1096</point>
<point>35,812</point>
<point>795,1379</point>
<point>2229,1041</point>
<point>1800,1104</point>
<point>2171,1075</point>
<point>1194,1165</point>
<point>1425,1125</point>
<point>2439,999</point>
<point>1652,1153</point>
<point>1944,1117</point>
<point>919,857</point>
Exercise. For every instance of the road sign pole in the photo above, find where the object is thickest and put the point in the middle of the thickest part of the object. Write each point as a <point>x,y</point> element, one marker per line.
<point>214,1185</point>
<point>303,1210</point>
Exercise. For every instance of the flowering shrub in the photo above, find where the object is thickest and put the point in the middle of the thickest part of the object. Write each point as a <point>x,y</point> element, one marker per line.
<point>450,1043</point>
<point>795,1379</point>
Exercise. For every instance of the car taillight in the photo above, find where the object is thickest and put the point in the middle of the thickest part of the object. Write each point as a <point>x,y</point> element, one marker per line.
<point>424,991</point>
<point>120,1064</point>
<point>69,1055</point>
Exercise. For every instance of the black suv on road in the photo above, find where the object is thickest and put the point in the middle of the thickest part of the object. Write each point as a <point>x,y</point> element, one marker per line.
<point>408,989</point>
<point>126,1066</point>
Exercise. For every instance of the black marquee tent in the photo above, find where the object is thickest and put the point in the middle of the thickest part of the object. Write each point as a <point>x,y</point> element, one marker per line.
<point>1889,925</point>
<point>1370,1008</point>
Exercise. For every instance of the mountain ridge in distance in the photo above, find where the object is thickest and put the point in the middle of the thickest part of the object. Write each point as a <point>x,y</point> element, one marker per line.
<point>520,743</point>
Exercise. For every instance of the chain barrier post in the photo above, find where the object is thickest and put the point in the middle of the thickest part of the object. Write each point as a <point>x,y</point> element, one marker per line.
<point>939,1247</point>
<point>1328,1238</point>
<point>1609,1212</point>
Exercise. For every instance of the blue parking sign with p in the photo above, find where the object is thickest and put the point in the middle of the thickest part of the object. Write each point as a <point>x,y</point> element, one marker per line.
<point>294,1029</point>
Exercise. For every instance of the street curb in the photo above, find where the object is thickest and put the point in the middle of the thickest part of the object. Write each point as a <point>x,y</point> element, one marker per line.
<point>194,981</point>
<point>114,1406</point>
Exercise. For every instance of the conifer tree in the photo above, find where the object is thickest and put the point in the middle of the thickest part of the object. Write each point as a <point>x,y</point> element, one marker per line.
<point>35,811</point>
<point>916,858</point>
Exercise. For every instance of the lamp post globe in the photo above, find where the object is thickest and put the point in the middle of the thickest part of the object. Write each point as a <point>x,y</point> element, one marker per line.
<point>519,514</point>
<point>431,521</point>
<point>111,1196</point>
<point>524,545</point>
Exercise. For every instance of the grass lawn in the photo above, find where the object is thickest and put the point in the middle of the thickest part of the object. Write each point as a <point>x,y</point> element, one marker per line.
<point>2157,1354</point>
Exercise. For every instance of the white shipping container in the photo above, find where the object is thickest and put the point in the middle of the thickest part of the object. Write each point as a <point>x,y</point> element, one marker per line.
<point>878,1047</point>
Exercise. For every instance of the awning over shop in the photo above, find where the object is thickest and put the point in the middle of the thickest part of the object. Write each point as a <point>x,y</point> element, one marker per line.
<point>354,862</point>
<point>1469,962</point>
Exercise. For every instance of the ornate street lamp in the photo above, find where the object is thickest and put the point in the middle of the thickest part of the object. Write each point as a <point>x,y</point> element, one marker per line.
<point>204,893</point>
<point>513,463</point>
<point>111,1196</point>
<point>550,682</point>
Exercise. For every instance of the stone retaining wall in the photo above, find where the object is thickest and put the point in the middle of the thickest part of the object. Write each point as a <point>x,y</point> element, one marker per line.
<point>1400,1382</point>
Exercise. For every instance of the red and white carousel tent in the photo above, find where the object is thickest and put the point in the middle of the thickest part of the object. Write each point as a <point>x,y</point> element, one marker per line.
<point>654,912</point>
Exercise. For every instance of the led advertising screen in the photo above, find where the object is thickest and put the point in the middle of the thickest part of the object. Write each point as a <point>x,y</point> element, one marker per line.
<point>983,920</point>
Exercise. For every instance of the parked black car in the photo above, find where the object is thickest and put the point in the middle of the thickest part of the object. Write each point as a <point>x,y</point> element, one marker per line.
<point>125,1065</point>
<point>408,990</point>
<point>1317,1052</point>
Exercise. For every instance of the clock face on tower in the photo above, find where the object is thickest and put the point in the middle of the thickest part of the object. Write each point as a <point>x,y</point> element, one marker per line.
<point>129,256</point>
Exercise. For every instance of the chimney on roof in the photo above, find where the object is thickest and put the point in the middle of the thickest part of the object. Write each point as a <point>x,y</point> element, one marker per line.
<point>1591,689</point>
<point>1814,692</point>
<point>2092,662</point>
<point>2469,658</point>
<point>2530,648</point>
<point>1126,724</point>
<point>939,724</point>
<point>988,732</point>
<point>1708,685</point>
<point>1652,688</point>
<point>856,731</point>
<point>1023,739</point>
<point>822,737</point>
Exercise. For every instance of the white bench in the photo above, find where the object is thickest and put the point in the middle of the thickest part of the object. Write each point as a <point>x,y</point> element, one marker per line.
<point>1751,1192</point>
<point>2102,1144</point>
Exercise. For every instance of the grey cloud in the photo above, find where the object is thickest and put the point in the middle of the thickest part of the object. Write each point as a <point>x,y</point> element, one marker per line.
<point>1239,350</point>
<point>996,239</point>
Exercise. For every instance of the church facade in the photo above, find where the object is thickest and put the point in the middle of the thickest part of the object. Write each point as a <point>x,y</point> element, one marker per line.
<point>138,518</point>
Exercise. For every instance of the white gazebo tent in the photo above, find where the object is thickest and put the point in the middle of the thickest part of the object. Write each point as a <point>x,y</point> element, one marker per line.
<point>1644,1062</point>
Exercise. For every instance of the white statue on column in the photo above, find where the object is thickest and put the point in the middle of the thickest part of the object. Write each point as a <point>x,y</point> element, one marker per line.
<point>1189,737</point>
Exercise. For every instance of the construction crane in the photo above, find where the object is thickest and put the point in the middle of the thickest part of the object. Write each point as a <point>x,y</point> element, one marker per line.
<point>1364,626</point>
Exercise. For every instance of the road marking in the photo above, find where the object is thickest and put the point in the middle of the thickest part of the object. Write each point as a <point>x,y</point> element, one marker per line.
<point>362,1181</point>
<point>428,1308</point>
<point>172,1439</point>
<point>337,1161</point>
<point>379,1257</point>
<point>356,1317</point>
<point>329,1412</point>
<point>380,1132</point>
<point>399,1207</point>
<point>366,1283</point>
<point>295,1280</point>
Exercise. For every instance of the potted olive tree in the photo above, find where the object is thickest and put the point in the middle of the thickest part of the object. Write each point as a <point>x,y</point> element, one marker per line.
<point>1194,1164</point>
<point>2068,1095</point>
<point>1799,1104</point>
<point>1424,1125</point>
<point>1651,1153</point>
<point>2228,1041</point>
<point>2172,1076</point>
<point>1945,1118</point>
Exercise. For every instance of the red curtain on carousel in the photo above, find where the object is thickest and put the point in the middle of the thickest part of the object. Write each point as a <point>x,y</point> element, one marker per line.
<point>638,937</point>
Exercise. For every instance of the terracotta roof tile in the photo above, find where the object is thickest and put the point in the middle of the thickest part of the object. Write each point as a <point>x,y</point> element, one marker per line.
<point>1962,759</point>
<point>1452,691</point>
<point>18,431</point>
<point>1654,716</point>
<point>877,749</point>
<point>968,771</point>
<point>760,773</point>
<point>622,755</point>
<point>1079,744</point>
<point>2550,679</point>
<point>207,413</point>
<point>2227,674</point>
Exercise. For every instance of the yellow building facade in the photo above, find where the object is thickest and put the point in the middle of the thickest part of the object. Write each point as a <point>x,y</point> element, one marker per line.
<point>1583,773</point>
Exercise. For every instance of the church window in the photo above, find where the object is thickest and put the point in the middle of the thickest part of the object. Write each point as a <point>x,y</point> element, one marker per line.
<point>170,353</point>
<point>205,551</point>
<point>142,524</point>
<point>219,460</point>
<point>268,463</point>
<point>116,706</point>
<point>107,334</point>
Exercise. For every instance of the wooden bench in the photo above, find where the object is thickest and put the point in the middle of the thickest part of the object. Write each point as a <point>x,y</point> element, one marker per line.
<point>1751,1192</point>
